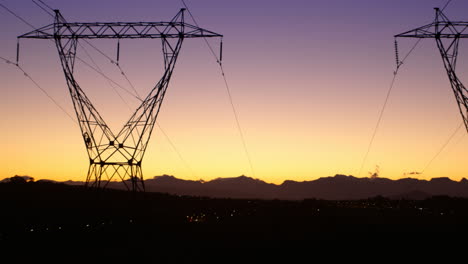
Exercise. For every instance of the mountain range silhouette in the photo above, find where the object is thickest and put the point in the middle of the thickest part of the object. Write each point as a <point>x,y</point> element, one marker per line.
<point>338,187</point>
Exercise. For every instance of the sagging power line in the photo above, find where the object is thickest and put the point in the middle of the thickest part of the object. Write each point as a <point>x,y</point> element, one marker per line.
<point>399,63</point>
<point>219,60</point>
<point>118,155</point>
<point>112,83</point>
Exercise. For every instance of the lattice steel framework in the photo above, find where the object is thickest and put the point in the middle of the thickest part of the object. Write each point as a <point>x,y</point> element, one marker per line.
<point>447,35</point>
<point>117,155</point>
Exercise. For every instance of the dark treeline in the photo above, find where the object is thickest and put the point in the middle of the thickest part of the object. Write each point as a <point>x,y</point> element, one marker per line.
<point>62,219</point>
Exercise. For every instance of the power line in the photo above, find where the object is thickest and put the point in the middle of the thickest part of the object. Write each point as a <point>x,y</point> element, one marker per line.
<point>98,50</point>
<point>228,90</point>
<point>128,80</point>
<point>399,63</point>
<point>176,150</point>
<point>108,78</point>
<point>445,6</point>
<point>392,83</point>
<point>443,146</point>
<point>118,66</point>
<point>17,16</point>
<point>43,9</point>
<point>7,61</point>
<point>196,24</point>
<point>237,122</point>
<point>46,5</point>
<point>109,82</point>
<point>28,75</point>
<point>378,122</point>
<point>449,55</point>
<point>29,24</point>
<point>127,104</point>
<point>96,69</point>
<point>40,88</point>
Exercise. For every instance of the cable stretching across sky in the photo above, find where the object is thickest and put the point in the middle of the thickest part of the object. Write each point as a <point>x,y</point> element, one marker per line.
<point>228,90</point>
<point>98,70</point>
<point>103,156</point>
<point>398,64</point>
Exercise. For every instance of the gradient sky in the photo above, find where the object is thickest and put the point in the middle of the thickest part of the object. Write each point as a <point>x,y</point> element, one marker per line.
<point>308,79</point>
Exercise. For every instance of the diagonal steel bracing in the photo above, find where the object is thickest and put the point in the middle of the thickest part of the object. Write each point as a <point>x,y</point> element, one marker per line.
<point>117,156</point>
<point>447,35</point>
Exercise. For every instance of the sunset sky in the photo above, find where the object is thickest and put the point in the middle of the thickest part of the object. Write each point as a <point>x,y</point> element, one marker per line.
<point>308,79</point>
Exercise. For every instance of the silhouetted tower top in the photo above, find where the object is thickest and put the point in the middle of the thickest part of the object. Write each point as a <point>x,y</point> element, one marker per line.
<point>117,155</point>
<point>447,34</point>
<point>177,28</point>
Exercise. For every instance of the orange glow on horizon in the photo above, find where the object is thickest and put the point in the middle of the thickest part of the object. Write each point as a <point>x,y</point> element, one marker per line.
<point>307,103</point>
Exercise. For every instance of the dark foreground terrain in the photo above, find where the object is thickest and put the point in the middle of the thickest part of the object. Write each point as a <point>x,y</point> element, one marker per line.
<point>42,220</point>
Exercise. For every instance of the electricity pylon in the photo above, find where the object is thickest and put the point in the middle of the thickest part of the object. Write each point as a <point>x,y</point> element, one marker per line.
<point>117,155</point>
<point>447,35</point>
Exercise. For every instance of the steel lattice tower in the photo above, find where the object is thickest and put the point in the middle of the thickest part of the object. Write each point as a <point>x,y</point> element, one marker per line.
<point>447,35</point>
<point>117,155</point>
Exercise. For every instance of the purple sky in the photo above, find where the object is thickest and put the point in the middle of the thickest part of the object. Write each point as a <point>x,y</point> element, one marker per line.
<point>308,79</point>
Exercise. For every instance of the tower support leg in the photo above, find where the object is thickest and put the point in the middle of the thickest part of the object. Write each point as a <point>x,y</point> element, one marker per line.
<point>100,175</point>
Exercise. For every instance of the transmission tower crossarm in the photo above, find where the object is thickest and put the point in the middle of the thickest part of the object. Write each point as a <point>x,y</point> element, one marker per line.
<point>445,31</point>
<point>437,30</point>
<point>442,27</point>
<point>119,30</point>
<point>127,30</point>
<point>447,35</point>
<point>118,155</point>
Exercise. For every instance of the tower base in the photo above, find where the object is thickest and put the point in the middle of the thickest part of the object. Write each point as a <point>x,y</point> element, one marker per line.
<point>101,174</point>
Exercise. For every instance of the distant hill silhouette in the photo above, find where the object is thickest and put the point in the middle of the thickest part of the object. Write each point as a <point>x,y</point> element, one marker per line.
<point>338,187</point>
<point>47,219</point>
